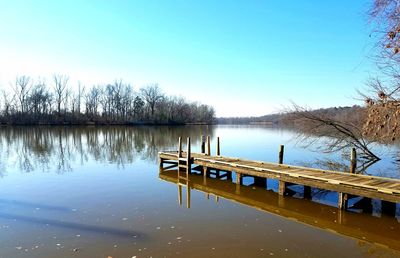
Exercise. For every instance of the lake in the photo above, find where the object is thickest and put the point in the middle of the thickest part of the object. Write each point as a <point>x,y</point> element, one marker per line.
<point>99,192</point>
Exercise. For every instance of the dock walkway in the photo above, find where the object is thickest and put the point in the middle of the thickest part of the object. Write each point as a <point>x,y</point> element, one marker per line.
<point>345,183</point>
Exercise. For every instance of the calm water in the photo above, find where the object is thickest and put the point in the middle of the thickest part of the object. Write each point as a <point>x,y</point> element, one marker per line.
<point>98,192</point>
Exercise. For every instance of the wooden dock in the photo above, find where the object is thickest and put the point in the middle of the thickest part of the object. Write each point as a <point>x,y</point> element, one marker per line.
<point>347,184</point>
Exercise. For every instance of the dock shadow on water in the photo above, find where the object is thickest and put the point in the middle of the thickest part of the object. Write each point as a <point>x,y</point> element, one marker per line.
<point>98,192</point>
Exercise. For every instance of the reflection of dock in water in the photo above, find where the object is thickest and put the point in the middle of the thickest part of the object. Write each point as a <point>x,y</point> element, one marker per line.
<point>382,231</point>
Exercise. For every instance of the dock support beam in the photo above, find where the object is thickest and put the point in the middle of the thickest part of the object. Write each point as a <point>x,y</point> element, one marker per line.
<point>282,184</point>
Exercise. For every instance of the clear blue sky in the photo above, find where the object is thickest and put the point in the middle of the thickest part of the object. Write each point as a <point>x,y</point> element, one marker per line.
<point>243,57</point>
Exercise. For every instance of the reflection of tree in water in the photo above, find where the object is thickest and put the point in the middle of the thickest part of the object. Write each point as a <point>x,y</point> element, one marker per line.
<point>57,148</point>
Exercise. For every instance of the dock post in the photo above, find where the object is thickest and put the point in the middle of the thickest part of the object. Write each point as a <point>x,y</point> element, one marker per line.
<point>208,146</point>
<point>205,172</point>
<point>239,178</point>
<point>281,152</point>
<point>188,159</point>
<point>179,148</point>
<point>218,147</point>
<point>282,187</point>
<point>343,198</point>
<point>353,161</point>
<point>218,153</point>
<point>282,184</point>
<point>239,181</point>
<point>342,201</point>
<point>203,144</point>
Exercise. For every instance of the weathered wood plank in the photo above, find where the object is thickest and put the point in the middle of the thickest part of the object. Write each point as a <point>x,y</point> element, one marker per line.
<point>387,189</point>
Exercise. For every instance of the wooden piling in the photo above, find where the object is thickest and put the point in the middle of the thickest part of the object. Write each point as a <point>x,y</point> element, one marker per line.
<point>218,147</point>
<point>353,161</point>
<point>239,178</point>
<point>281,152</point>
<point>208,146</point>
<point>282,184</point>
<point>205,171</point>
<point>179,147</point>
<point>203,144</point>
<point>343,198</point>
<point>282,187</point>
<point>342,201</point>
<point>188,158</point>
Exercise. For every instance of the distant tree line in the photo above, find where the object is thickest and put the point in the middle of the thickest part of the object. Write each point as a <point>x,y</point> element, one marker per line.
<point>31,101</point>
<point>355,114</point>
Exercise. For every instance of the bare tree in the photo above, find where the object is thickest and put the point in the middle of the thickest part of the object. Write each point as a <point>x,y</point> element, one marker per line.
<point>7,103</point>
<point>152,94</point>
<point>383,94</point>
<point>118,101</point>
<point>334,135</point>
<point>92,99</point>
<point>81,90</point>
<point>60,89</point>
<point>22,89</point>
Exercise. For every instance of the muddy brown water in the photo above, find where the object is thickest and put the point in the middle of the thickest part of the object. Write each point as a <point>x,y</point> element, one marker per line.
<point>98,192</point>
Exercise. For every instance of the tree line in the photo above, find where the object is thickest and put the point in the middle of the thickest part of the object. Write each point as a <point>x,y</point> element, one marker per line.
<point>30,101</point>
